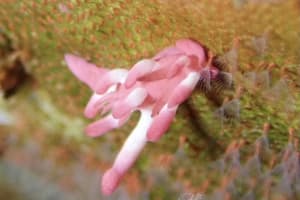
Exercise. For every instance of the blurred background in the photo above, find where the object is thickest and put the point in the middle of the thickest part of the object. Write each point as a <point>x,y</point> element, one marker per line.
<point>238,142</point>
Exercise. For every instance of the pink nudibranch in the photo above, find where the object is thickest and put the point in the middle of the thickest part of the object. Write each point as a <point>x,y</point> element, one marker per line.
<point>155,87</point>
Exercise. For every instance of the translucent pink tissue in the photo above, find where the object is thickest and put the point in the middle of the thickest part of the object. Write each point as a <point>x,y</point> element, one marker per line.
<point>154,86</point>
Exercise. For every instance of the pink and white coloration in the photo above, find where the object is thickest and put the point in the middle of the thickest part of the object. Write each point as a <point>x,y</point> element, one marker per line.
<point>155,87</point>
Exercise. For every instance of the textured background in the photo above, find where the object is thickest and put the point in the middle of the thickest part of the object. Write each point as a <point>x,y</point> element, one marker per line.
<point>43,120</point>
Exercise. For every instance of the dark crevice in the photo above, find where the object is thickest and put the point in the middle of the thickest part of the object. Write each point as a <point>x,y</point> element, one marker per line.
<point>13,74</point>
<point>13,78</point>
<point>200,130</point>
